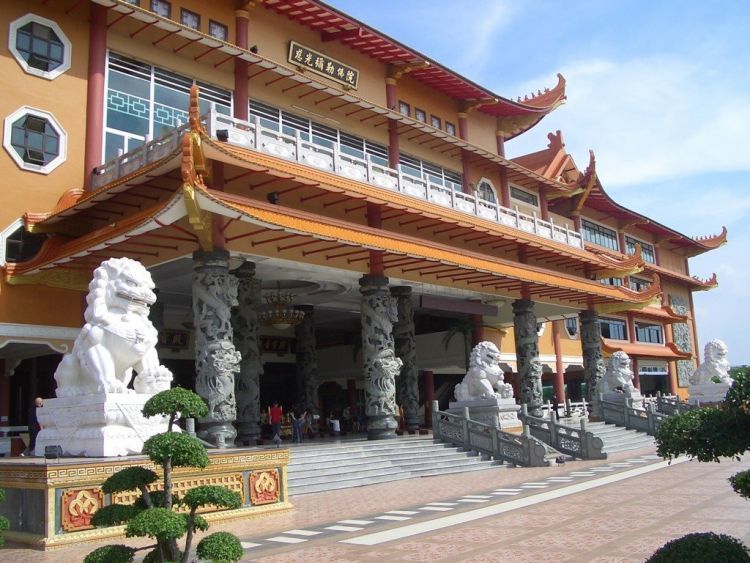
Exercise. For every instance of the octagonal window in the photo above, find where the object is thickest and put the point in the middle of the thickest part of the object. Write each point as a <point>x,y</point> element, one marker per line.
<point>35,140</point>
<point>39,46</point>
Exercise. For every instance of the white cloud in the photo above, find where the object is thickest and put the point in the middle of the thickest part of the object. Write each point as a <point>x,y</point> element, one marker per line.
<point>651,118</point>
<point>489,22</point>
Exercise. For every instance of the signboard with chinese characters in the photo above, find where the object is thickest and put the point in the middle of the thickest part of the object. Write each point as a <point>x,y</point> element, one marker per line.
<point>174,339</point>
<point>323,64</point>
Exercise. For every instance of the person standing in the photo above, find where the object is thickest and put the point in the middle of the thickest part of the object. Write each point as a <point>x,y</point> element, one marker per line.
<point>34,426</point>
<point>298,420</point>
<point>275,415</point>
<point>556,406</point>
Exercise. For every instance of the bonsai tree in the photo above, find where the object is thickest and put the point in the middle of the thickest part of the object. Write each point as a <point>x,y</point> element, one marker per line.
<point>153,514</point>
<point>4,523</point>
<point>708,434</point>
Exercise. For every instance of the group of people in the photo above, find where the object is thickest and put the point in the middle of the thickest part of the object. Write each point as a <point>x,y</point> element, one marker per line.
<point>302,421</point>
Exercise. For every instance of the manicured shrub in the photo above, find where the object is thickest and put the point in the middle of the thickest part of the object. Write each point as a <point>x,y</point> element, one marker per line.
<point>220,547</point>
<point>703,547</point>
<point>111,554</point>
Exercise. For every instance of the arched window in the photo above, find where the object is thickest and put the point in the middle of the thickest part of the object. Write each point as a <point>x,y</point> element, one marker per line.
<point>486,191</point>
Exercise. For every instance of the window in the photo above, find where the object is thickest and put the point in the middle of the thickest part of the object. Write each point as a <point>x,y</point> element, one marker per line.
<point>161,7</point>
<point>486,191</point>
<point>420,115</point>
<point>404,108</point>
<point>436,122</point>
<point>611,281</point>
<point>571,327</point>
<point>134,2</point>
<point>450,128</point>
<point>39,46</point>
<point>35,140</point>
<point>614,329</point>
<point>524,196</point>
<point>650,333</point>
<point>647,249</point>
<point>597,234</point>
<point>639,284</point>
<point>145,101</point>
<point>190,19</point>
<point>218,30</point>
<point>20,245</point>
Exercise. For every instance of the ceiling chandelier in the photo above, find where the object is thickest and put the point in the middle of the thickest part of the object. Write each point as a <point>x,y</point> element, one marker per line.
<point>280,314</point>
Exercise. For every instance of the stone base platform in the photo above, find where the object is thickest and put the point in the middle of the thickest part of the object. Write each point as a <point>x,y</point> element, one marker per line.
<point>619,398</point>
<point>708,394</point>
<point>50,502</point>
<point>500,413</point>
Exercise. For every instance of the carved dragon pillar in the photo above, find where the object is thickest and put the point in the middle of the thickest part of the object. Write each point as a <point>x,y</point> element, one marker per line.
<point>246,341</point>
<point>380,364</point>
<point>527,355</point>
<point>307,360</point>
<point>593,363</point>
<point>407,386</point>
<point>216,360</point>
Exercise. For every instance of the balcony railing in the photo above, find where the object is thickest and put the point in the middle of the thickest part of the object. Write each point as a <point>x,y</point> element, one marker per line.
<point>252,135</point>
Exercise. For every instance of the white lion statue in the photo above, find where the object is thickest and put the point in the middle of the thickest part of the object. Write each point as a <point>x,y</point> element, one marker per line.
<point>715,364</point>
<point>484,379</point>
<point>118,336</point>
<point>619,375</point>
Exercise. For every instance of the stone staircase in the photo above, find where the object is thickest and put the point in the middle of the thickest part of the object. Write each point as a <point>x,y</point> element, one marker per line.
<point>618,438</point>
<point>316,467</point>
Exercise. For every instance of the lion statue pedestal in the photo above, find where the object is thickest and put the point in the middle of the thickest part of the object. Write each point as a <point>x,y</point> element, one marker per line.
<point>95,414</point>
<point>484,392</point>
<point>703,389</point>
<point>617,383</point>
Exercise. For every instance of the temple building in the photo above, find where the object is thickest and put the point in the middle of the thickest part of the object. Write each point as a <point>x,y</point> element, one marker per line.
<point>328,215</point>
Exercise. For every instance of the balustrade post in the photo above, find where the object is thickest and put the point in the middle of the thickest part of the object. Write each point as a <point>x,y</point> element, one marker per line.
<point>256,122</point>
<point>453,198</point>
<point>435,425</point>
<point>298,146</point>
<point>567,234</point>
<point>552,431</point>
<point>465,428</point>
<point>584,440</point>
<point>496,453</point>
<point>518,220</point>
<point>369,168</point>
<point>144,148</point>
<point>536,222</point>
<point>336,147</point>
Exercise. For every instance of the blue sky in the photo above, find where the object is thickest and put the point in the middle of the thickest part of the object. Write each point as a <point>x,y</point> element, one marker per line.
<point>659,90</point>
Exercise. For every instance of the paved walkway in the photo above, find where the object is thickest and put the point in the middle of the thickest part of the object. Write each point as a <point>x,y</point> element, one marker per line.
<point>620,509</point>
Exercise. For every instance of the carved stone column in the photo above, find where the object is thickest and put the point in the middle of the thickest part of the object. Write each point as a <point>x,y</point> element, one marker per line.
<point>216,360</point>
<point>307,360</point>
<point>407,386</point>
<point>527,355</point>
<point>593,363</point>
<point>381,366</point>
<point>247,343</point>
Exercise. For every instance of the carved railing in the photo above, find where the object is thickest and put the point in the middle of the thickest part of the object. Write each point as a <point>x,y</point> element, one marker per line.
<point>571,440</point>
<point>252,135</point>
<point>127,163</point>
<point>671,404</point>
<point>571,409</point>
<point>624,414</point>
<point>518,449</point>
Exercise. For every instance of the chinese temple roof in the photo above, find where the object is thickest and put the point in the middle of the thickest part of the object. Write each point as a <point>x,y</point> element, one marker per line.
<point>668,352</point>
<point>334,25</point>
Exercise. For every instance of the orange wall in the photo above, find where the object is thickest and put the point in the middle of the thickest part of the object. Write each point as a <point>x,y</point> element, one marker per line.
<point>64,97</point>
<point>28,304</point>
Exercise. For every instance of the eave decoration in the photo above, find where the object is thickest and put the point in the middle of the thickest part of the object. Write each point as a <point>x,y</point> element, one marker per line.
<point>669,351</point>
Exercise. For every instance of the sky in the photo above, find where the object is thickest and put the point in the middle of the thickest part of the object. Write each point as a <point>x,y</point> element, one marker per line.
<point>659,90</point>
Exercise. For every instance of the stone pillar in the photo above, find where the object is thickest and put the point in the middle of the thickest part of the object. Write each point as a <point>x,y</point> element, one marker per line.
<point>593,363</point>
<point>527,355</point>
<point>380,364</point>
<point>407,386</point>
<point>428,384</point>
<point>307,360</point>
<point>247,343</point>
<point>559,377</point>
<point>95,91</point>
<point>216,360</point>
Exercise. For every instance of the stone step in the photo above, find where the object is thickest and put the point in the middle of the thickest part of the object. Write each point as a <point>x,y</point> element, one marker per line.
<point>330,448</point>
<point>364,457</point>
<point>360,452</point>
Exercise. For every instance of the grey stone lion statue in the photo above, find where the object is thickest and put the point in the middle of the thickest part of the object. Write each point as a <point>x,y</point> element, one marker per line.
<point>118,336</point>
<point>484,379</point>
<point>619,375</point>
<point>715,364</point>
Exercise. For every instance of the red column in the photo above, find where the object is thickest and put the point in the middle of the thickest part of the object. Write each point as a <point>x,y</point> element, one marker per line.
<point>636,375</point>
<point>95,91</point>
<point>428,383</point>
<point>477,329</point>
<point>504,185</point>
<point>543,207</point>
<point>576,215</point>
<point>391,100</point>
<point>463,134</point>
<point>240,67</point>
<point>558,383</point>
